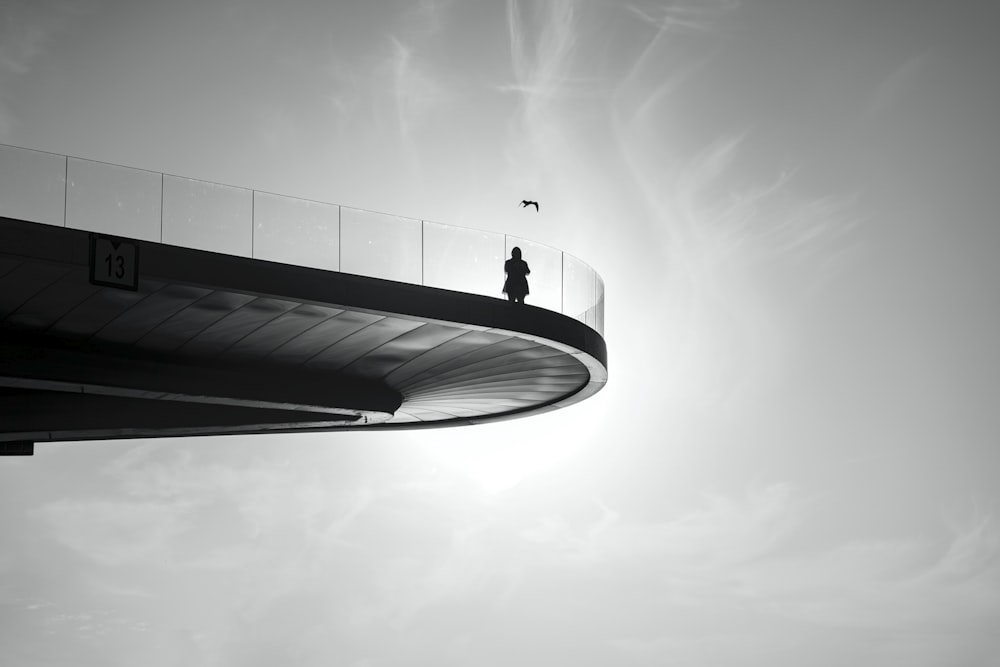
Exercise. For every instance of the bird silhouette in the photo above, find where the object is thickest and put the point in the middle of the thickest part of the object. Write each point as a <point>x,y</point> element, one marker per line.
<point>525,203</point>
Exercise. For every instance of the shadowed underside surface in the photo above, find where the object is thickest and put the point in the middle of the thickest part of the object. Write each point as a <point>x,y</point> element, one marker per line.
<point>212,343</point>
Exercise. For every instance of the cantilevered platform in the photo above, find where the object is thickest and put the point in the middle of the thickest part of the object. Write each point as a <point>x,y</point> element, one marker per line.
<point>200,343</point>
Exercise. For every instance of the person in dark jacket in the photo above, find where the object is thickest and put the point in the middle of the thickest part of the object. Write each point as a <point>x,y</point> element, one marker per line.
<point>516,285</point>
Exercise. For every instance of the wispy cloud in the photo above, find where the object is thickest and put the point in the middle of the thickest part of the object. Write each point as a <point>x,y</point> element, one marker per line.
<point>25,27</point>
<point>26,30</point>
<point>694,552</point>
<point>555,89</point>
<point>399,562</point>
<point>431,15</point>
<point>113,532</point>
<point>974,552</point>
<point>696,219</point>
<point>893,87</point>
<point>716,225</point>
<point>541,58</point>
<point>390,93</point>
<point>670,16</point>
<point>415,94</point>
<point>720,581</point>
<point>717,240</point>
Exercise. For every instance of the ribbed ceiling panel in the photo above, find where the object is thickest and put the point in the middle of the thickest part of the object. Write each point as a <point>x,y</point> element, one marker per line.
<point>183,326</point>
<point>351,348</point>
<point>148,314</point>
<point>45,307</point>
<point>280,331</point>
<point>97,311</point>
<point>408,347</point>
<point>26,281</point>
<point>228,330</point>
<point>465,343</point>
<point>315,340</point>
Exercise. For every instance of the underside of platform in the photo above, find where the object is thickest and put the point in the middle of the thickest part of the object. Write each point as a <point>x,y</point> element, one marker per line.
<point>208,343</point>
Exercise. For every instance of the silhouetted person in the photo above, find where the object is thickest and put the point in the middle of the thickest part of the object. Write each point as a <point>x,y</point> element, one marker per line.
<point>516,285</point>
<point>525,204</point>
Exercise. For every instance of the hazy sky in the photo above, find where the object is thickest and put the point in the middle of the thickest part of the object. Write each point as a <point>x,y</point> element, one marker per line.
<point>795,462</point>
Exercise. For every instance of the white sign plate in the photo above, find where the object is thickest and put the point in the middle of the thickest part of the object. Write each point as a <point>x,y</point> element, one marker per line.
<point>114,262</point>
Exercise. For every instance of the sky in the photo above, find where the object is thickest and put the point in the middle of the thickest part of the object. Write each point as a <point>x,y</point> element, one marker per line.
<point>793,205</point>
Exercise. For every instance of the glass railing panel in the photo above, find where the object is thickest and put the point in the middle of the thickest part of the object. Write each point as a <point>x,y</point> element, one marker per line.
<point>296,231</point>
<point>32,186</point>
<point>579,289</point>
<point>207,216</point>
<point>545,281</point>
<point>380,245</point>
<point>237,221</point>
<point>462,259</point>
<point>113,200</point>
<point>598,324</point>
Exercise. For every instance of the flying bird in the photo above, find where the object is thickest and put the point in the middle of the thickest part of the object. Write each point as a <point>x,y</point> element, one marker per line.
<point>525,203</point>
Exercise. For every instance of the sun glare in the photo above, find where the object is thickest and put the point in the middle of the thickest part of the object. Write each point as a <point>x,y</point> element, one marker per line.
<point>497,457</point>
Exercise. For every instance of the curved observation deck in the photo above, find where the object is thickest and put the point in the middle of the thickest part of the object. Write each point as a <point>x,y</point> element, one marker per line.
<point>136,304</point>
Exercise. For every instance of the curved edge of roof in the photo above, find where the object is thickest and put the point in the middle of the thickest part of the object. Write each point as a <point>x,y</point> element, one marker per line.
<point>427,304</point>
<point>362,293</point>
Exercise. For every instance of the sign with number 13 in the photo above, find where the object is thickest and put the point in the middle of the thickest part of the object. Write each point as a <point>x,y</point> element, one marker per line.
<point>114,262</point>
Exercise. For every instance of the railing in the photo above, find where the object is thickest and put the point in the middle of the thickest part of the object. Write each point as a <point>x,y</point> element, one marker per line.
<point>122,201</point>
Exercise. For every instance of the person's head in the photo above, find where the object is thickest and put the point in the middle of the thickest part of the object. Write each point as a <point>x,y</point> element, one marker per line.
<point>515,253</point>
